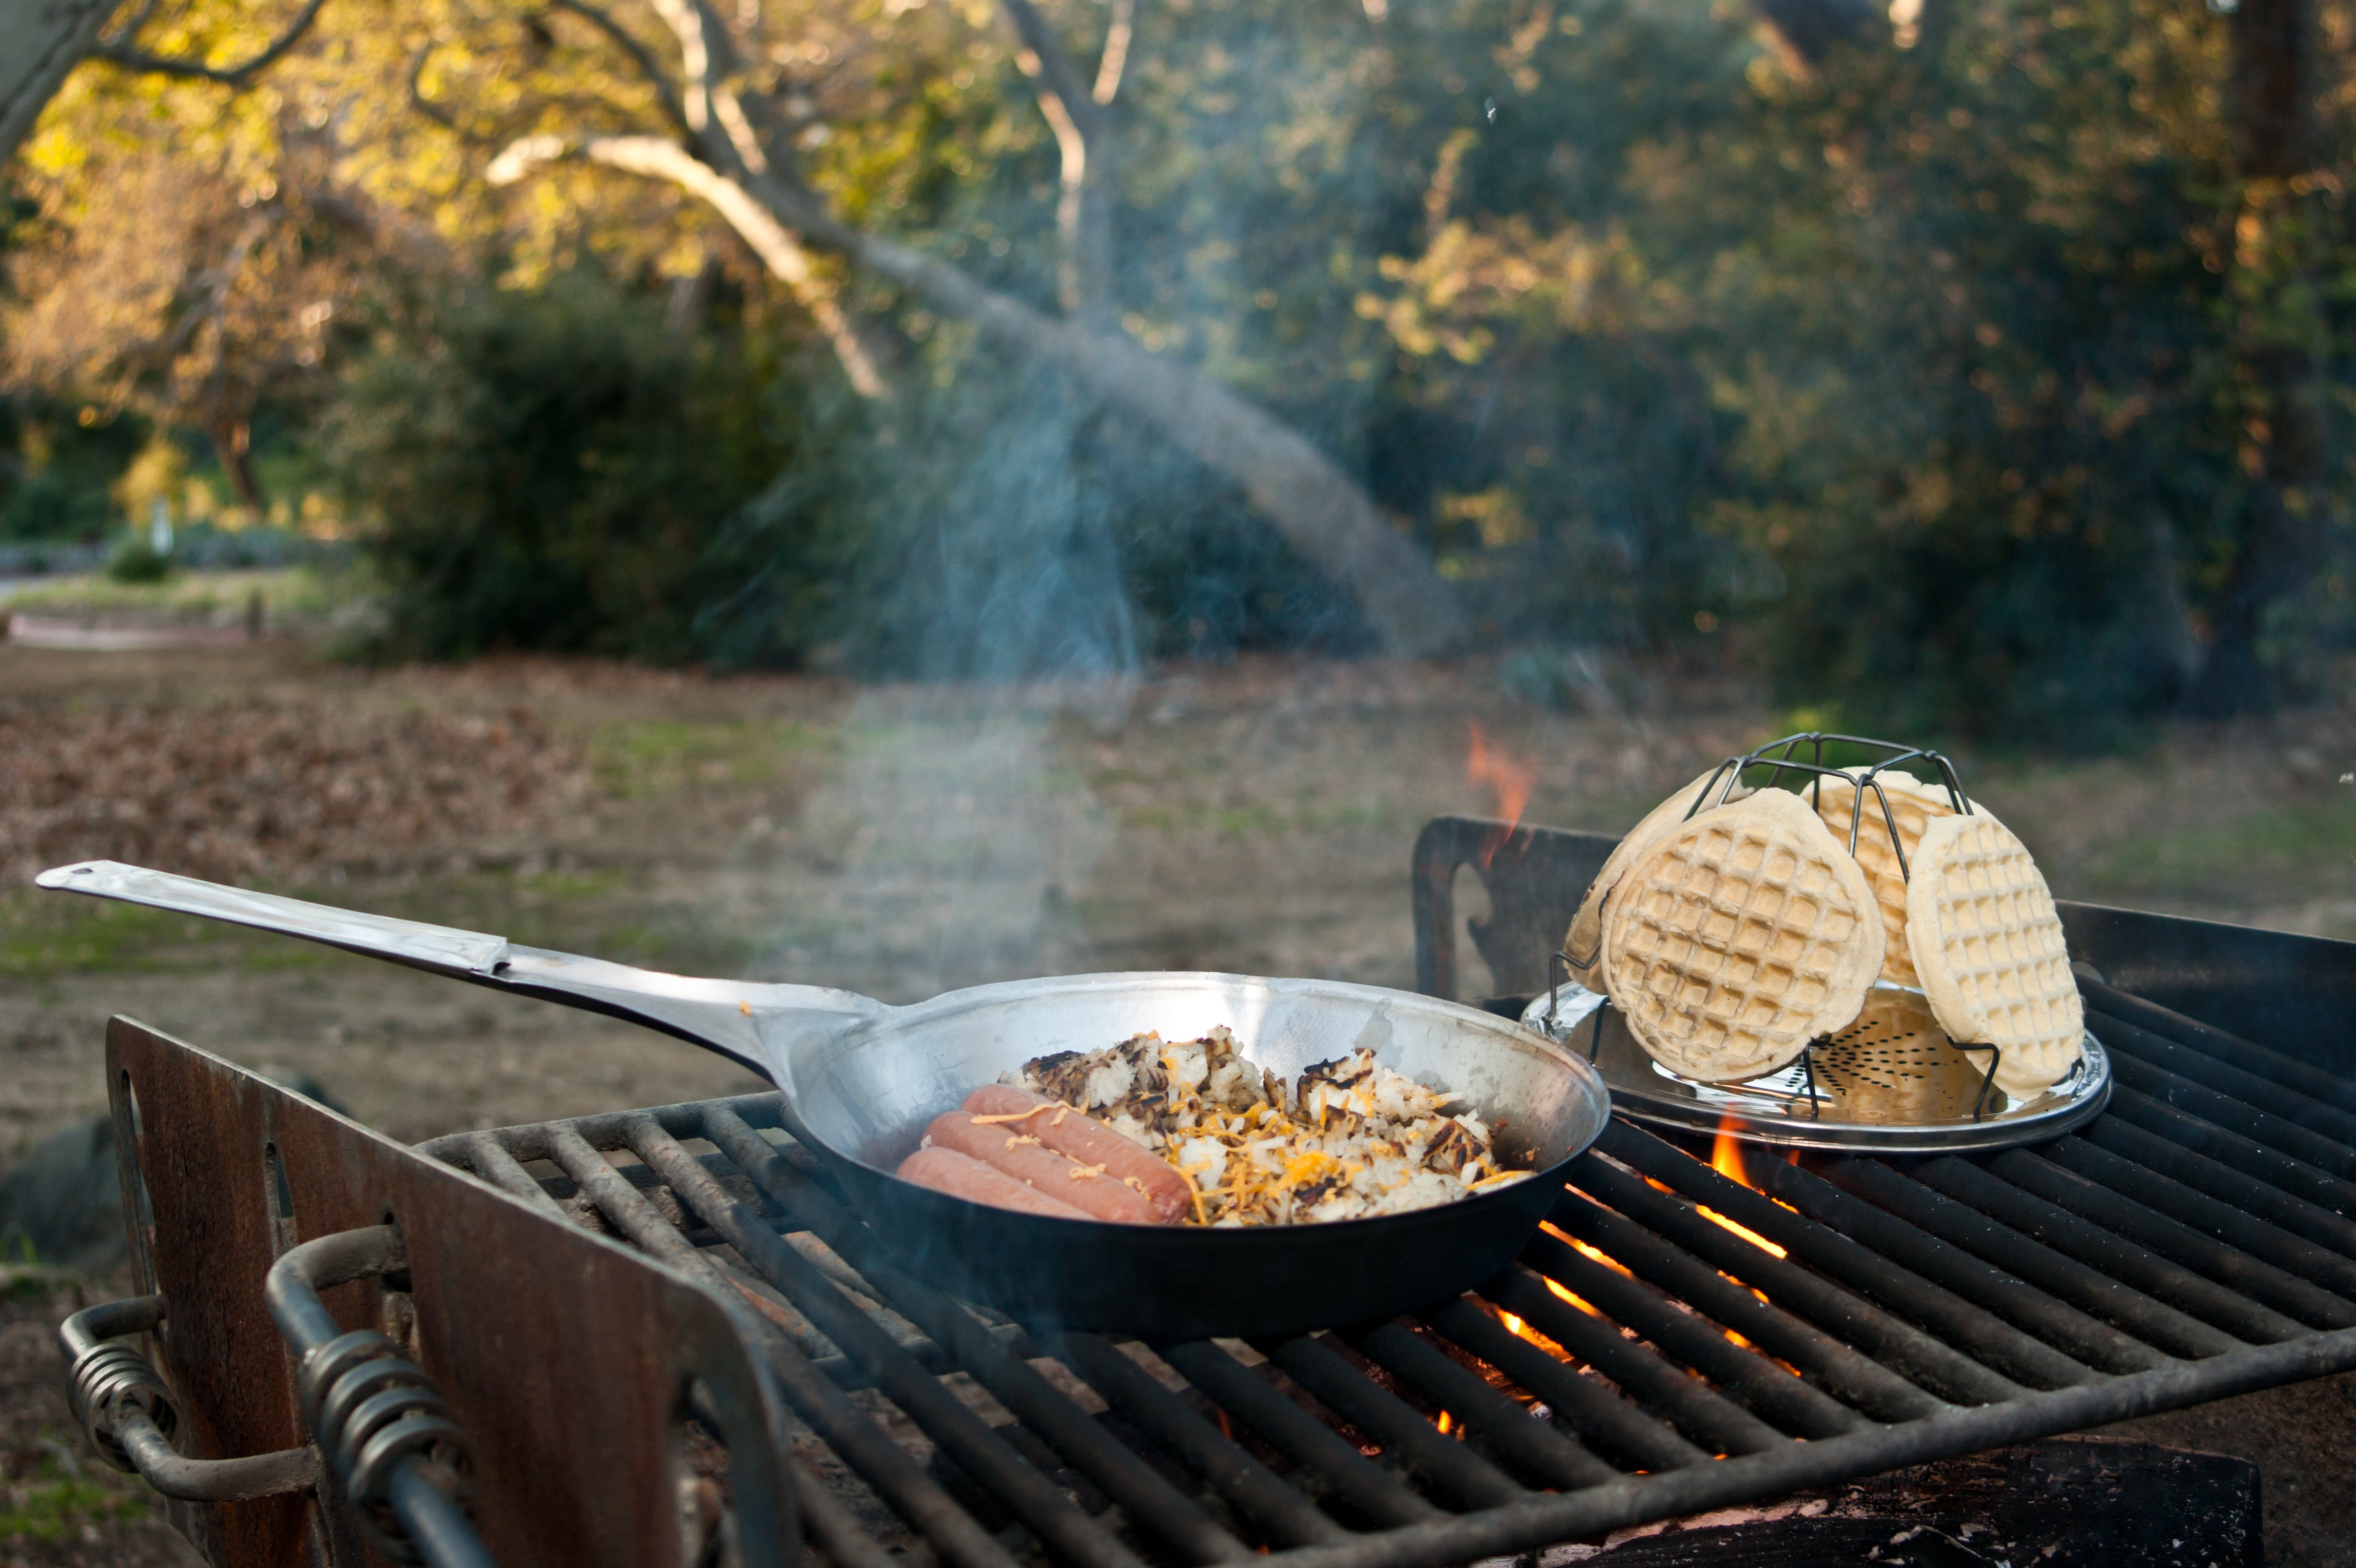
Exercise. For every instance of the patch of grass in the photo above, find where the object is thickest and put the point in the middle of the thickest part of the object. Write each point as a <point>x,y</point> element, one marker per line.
<point>2291,848</point>
<point>49,1501</point>
<point>635,759</point>
<point>297,593</point>
<point>43,934</point>
<point>1268,818</point>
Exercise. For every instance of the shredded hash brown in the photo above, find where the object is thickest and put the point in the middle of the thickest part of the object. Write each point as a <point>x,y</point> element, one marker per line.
<point>1352,1140</point>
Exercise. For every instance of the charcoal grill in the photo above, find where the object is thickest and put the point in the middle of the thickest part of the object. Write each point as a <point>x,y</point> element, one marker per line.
<point>665,1340</point>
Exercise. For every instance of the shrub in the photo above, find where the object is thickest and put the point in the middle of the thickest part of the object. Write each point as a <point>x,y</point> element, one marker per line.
<point>136,560</point>
<point>550,471</point>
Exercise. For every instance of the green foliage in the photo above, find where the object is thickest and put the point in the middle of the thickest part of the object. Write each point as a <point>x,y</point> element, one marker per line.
<point>1985,456</point>
<point>58,467</point>
<point>136,560</point>
<point>550,469</point>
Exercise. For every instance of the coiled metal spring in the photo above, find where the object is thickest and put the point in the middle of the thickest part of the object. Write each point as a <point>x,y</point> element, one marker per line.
<point>105,1379</point>
<point>367,1408</point>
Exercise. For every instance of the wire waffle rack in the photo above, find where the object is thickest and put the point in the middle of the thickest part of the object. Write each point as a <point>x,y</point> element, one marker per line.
<point>1890,1082</point>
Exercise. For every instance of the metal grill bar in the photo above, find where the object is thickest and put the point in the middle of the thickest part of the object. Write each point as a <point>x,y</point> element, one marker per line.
<point>1582,1404</point>
<point>2224,1110</point>
<point>2110,1002</point>
<point>1717,1423</point>
<point>2336,1127</point>
<point>1901,1346</point>
<point>1940,1286</point>
<point>2083,1190</point>
<point>1843,1372</point>
<point>1125,1478</point>
<point>2154,1173</point>
<point>2047,1223</point>
<point>2185,1247</point>
<point>2051,1277</point>
<point>1243,1481</point>
<point>1410,1440</point>
<point>1338,1469</point>
<point>1072,1534</point>
<point>2296,1177</point>
<point>1769,1390</point>
<point>1502,1425</point>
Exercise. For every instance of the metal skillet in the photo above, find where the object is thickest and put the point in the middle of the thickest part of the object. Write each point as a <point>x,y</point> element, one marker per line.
<point>860,1081</point>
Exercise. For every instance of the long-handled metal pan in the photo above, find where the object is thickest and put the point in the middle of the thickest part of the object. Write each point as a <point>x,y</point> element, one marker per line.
<point>861,1079</point>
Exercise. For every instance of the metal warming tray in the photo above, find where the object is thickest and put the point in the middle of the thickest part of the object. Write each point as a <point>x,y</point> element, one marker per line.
<point>1889,1084</point>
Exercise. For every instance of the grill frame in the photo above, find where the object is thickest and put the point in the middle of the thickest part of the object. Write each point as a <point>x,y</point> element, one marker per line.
<point>1937,1306</point>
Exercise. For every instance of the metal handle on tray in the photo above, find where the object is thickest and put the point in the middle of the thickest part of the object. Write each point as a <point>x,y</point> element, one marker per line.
<point>128,1413</point>
<point>389,1440</point>
<point>733,1017</point>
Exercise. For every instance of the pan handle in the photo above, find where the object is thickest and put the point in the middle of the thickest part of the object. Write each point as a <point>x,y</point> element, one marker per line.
<point>751,1022</point>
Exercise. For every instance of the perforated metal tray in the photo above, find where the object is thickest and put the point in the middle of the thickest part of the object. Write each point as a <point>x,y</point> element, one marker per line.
<point>1892,1083</point>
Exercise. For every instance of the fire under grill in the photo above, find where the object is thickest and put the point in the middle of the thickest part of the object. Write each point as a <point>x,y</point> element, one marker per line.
<point>1675,1339</point>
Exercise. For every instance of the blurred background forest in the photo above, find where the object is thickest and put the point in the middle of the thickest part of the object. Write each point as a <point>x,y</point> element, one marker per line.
<point>1976,369</point>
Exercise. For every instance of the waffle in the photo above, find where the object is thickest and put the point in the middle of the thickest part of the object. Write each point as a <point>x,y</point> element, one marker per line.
<point>1586,936</point>
<point>1739,937</point>
<point>1915,805</point>
<point>1989,948</point>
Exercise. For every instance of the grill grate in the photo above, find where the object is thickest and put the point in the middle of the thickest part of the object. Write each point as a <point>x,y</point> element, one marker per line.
<point>1710,1343</point>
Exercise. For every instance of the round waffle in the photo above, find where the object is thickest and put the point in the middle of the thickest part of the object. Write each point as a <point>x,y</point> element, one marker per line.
<point>1988,946</point>
<point>1585,941</point>
<point>1739,937</point>
<point>1915,805</point>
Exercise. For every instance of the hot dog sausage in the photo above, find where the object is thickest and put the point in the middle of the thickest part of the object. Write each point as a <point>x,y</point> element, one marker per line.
<point>1091,1187</point>
<point>962,1175</point>
<point>1089,1142</point>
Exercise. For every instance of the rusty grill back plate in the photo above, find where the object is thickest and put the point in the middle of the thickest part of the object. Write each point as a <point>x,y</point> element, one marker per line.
<point>564,1356</point>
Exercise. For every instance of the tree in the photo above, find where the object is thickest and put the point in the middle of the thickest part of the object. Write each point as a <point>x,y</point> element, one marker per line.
<point>2276,335</point>
<point>726,126</point>
<point>48,39</point>
<point>161,297</point>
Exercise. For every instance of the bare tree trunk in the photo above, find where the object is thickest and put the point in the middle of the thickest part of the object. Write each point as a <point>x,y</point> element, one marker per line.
<point>2272,101</point>
<point>40,43</point>
<point>232,441</point>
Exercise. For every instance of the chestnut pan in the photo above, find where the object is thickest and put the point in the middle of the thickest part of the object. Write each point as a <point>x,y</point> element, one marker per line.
<point>861,1079</point>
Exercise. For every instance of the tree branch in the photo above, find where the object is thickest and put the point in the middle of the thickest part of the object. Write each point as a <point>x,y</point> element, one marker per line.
<point>119,53</point>
<point>708,61</point>
<point>1054,67</point>
<point>1082,227</point>
<point>776,246</point>
<point>640,56</point>
<point>1115,58</point>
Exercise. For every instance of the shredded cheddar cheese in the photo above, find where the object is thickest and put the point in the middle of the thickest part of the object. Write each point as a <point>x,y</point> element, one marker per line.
<point>1351,1140</point>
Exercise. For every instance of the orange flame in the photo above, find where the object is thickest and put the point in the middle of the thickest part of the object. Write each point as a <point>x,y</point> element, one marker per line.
<point>1509,777</point>
<point>1523,1331</point>
<point>1726,1159</point>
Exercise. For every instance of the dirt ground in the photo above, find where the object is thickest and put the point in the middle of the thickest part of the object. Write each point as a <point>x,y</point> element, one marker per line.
<point>1254,817</point>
